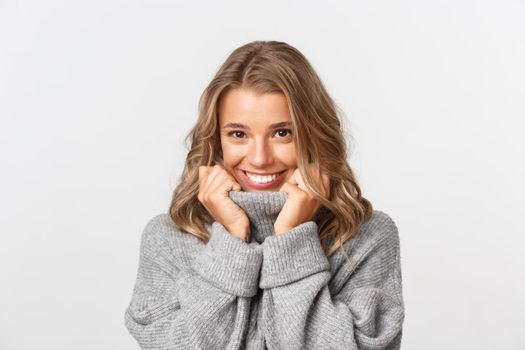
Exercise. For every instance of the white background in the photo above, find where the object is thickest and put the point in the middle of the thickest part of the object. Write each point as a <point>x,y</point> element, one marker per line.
<point>97,96</point>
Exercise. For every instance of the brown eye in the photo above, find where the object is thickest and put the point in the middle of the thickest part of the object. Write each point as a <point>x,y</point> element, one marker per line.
<point>236,132</point>
<point>285,131</point>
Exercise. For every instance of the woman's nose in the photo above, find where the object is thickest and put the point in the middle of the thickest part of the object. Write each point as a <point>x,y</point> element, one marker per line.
<point>261,155</point>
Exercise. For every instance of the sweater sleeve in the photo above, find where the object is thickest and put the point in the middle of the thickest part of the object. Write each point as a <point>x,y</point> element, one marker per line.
<point>203,306</point>
<point>363,309</point>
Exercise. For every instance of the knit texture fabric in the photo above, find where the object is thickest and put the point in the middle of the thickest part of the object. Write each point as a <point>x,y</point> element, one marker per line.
<point>272,292</point>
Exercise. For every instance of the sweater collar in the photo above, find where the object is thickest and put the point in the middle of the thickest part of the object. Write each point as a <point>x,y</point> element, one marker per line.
<point>262,209</point>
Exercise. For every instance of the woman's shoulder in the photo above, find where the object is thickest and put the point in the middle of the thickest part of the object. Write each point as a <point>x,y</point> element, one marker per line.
<point>162,223</point>
<point>161,233</point>
<point>380,225</point>
<point>157,228</point>
<point>380,229</point>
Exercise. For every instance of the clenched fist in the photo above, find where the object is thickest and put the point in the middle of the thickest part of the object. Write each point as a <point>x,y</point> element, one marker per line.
<point>214,184</point>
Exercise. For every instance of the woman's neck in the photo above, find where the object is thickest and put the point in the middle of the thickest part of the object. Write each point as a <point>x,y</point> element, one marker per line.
<point>262,208</point>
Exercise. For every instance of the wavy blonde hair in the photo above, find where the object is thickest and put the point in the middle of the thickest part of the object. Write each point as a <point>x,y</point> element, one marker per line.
<point>267,67</point>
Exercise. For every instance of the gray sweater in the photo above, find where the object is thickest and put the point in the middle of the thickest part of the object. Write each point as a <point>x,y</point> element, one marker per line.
<point>272,292</point>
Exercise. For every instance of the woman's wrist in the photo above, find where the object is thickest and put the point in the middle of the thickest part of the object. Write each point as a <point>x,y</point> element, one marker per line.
<point>280,229</point>
<point>240,232</point>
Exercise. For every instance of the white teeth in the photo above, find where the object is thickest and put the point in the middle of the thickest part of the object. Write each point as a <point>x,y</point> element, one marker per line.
<point>261,179</point>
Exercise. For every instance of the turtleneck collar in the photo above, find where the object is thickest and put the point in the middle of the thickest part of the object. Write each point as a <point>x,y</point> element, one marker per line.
<point>262,208</point>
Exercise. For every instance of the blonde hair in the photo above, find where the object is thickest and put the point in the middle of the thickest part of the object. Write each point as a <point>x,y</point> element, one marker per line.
<point>273,66</point>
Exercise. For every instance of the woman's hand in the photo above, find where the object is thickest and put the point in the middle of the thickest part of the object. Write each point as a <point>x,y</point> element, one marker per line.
<point>301,205</point>
<point>214,184</point>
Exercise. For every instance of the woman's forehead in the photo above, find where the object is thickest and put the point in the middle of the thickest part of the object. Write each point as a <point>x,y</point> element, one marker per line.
<point>241,106</point>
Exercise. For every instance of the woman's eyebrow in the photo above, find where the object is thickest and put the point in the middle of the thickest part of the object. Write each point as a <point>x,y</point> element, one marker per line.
<point>242,126</point>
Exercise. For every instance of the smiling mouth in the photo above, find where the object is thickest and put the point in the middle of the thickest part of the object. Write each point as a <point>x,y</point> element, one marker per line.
<point>262,181</point>
<point>265,174</point>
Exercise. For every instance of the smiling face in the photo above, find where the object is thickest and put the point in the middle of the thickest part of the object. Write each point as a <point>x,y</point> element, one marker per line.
<point>256,139</point>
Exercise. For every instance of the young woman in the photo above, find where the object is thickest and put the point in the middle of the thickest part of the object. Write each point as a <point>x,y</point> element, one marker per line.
<point>268,243</point>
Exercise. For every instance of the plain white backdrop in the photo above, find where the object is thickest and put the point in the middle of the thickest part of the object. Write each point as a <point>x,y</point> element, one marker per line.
<point>97,96</point>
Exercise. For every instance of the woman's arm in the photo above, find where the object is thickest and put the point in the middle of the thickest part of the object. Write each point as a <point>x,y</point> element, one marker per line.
<point>362,309</point>
<point>205,306</point>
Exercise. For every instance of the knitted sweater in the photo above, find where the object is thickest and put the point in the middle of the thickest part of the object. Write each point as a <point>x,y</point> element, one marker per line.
<point>272,292</point>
